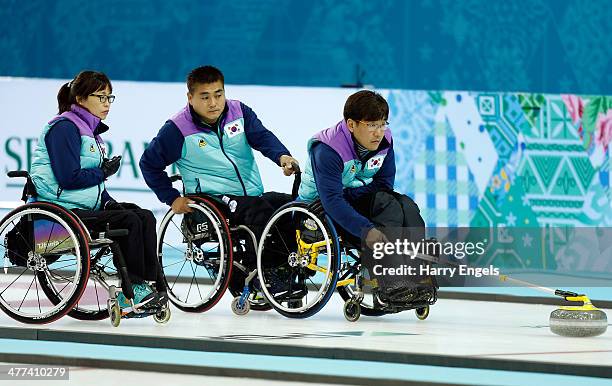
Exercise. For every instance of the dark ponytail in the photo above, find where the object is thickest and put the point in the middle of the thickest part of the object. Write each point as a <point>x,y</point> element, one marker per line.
<point>63,98</point>
<point>85,83</point>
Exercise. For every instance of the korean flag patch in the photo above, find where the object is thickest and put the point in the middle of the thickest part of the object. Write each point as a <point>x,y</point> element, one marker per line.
<point>234,128</point>
<point>375,162</point>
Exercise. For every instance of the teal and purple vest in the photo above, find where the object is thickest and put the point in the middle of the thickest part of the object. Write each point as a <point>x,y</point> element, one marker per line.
<point>217,164</point>
<point>354,172</point>
<point>47,187</point>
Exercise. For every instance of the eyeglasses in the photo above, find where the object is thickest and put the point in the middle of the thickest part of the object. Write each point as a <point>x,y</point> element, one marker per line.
<point>374,126</point>
<point>104,98</point>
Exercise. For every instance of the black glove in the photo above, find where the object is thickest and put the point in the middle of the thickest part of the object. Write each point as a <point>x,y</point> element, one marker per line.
<point>113,205</point>
<point>110,166</point>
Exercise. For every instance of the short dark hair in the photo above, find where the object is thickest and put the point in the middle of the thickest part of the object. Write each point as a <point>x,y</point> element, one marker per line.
<point>204,75</point>
<point>85,83</point>
<point>366,105</point>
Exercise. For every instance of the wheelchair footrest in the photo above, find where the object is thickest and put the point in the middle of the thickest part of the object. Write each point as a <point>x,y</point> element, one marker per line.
<point>148,310</point>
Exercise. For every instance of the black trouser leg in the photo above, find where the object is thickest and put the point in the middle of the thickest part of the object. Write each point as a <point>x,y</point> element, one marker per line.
<point>388,210</point>
<point>134,245</point>
<point>399,218</point>
<point>413,222</point>
<point>153,270</point>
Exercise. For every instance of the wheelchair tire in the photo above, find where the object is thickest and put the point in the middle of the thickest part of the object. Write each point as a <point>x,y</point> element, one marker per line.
<point>50,217</point>
<point>282,265</point>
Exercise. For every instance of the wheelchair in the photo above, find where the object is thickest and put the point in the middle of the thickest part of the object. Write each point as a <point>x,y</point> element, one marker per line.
<point>302,260</point>
<point>53,265</point>
<point>202,255</point>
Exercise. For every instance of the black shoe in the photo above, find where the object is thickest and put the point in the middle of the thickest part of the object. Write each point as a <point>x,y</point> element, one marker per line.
<point>407,295</point>
<point>401,294</point>
<point>160,299</point>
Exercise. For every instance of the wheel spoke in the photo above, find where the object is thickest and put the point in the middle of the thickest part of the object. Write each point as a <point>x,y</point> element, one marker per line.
<point>26,294</point>
<point>25,269</point>
<point>173,247</point>
<point>49,238</point>
<point>179,274</point>
<point>196,280</point>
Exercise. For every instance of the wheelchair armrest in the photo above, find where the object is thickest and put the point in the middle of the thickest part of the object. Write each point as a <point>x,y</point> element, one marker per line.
<point>18,173</point>
<point>29,189</point>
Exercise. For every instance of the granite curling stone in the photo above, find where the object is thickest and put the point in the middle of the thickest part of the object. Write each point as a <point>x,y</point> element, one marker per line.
<point>582,321</point>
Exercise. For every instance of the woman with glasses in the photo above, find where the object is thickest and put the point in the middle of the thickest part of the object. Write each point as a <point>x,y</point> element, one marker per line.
<point>70,167</point>
<point>352,171</point>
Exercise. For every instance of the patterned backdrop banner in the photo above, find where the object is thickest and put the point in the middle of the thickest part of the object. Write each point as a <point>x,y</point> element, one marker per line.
<point>510,159</point>
<point>515,160</point>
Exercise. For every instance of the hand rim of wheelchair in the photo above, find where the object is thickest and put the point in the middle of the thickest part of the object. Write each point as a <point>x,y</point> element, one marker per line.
<point>80,240</point>
<point>331,274</point>
<point>225,246</point>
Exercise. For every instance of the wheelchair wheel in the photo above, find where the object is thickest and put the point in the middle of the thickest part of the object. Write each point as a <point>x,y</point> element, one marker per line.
<point>422,312</point>
<point>349,267</point>
<point>163,316</point>
<point>195,252</point>
<point>297,261</point>
<point>352,310</point>
<point>39,241</point>
<point>245,253</point>
<point>240,310</point>
<point>115,315</point>
<point>93,303</point>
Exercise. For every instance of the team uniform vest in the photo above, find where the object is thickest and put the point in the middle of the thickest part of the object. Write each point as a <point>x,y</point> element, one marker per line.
<point>217,163</point>
<point>91,155</point>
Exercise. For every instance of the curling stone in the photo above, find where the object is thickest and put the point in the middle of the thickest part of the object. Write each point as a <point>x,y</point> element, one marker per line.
<point>578,321</point>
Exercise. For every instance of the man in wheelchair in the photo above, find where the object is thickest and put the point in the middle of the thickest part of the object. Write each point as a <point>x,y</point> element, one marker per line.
<point>352,172</point>
<point>211,142</point>
<point>70,168</point>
